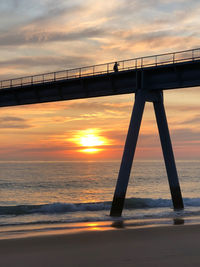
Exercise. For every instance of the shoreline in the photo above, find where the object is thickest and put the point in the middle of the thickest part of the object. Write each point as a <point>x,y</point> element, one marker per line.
<point>177,245</point>
<point>31,230</point>
<point>39,230</point>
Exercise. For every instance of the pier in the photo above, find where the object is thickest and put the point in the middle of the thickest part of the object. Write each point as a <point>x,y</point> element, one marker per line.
<point>146,77</point>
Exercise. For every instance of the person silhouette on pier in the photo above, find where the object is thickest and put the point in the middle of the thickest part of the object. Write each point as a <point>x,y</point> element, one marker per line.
<point>115,68</point>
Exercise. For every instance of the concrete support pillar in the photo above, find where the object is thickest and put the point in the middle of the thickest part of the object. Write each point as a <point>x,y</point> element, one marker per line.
<point>130,146</point>
<point>168,153</point>
<point>128,155</point>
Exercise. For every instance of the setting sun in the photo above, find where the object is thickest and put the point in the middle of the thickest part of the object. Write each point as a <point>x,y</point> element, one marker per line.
<point>90,140</point>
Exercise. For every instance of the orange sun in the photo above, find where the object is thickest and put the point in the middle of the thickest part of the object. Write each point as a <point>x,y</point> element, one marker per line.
<point>90,140</point>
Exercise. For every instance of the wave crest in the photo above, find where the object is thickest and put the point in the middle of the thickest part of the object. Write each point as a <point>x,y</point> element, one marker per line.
<point>131,203</point>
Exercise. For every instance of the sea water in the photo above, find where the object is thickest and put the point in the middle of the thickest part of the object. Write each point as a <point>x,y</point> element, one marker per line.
<point>41,196</point>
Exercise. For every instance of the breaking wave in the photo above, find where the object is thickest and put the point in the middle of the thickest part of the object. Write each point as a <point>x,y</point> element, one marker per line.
<point>57,208</point>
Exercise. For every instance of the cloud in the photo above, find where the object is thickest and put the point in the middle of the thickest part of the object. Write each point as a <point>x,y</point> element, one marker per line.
<point>46,61</point>
<point>54,11</point>
<point>97,106</point>
<point>25,38</point>
<point>185,136</point>
<point>194,120</point>
<point>8,122</point>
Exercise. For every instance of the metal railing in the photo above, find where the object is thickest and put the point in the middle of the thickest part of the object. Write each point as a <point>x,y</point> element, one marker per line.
<point>135,63</point>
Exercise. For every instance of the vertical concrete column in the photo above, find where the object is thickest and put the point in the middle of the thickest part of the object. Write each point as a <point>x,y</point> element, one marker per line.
<point>128,155</point>
<point>168,153</point>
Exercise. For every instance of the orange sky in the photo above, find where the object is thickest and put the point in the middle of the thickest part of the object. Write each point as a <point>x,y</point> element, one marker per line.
<point>60,131</point>
<point>53,37</point>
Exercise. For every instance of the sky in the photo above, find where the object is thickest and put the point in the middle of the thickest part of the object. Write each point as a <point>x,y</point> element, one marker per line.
<point>39,36</point>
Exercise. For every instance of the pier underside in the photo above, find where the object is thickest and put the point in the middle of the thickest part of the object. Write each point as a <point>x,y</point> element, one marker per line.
<point>167,77</point>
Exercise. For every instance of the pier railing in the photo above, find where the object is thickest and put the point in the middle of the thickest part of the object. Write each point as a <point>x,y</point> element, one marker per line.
<point>135,63</point>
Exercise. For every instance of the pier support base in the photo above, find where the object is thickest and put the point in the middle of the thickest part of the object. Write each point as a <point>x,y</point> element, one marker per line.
<point>129,150</point>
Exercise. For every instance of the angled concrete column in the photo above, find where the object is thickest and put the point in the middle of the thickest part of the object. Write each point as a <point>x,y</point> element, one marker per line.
<point>168,153</point>
<point>128,155</point>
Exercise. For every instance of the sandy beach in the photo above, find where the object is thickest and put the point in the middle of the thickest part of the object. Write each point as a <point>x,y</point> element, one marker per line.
<point>153,246</point>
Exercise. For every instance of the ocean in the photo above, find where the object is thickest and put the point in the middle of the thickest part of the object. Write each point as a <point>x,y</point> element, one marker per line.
<point>38,197</point>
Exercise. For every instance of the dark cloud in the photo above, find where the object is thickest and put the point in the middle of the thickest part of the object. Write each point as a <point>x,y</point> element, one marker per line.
<point>13,122</point>
<point>95,106</point>
<point>179,137</point>
<point>126,7</point>
<point>25,38</point>
<point>171,8</point>
<point>195,120</point>
<point>41,149</point>
<point>64,62</point>
<point>149,36</point>
<point>55,10</point>
<point>185,135</point>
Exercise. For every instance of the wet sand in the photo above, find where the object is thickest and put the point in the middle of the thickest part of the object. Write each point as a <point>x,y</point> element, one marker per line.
<point>153,246</point>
